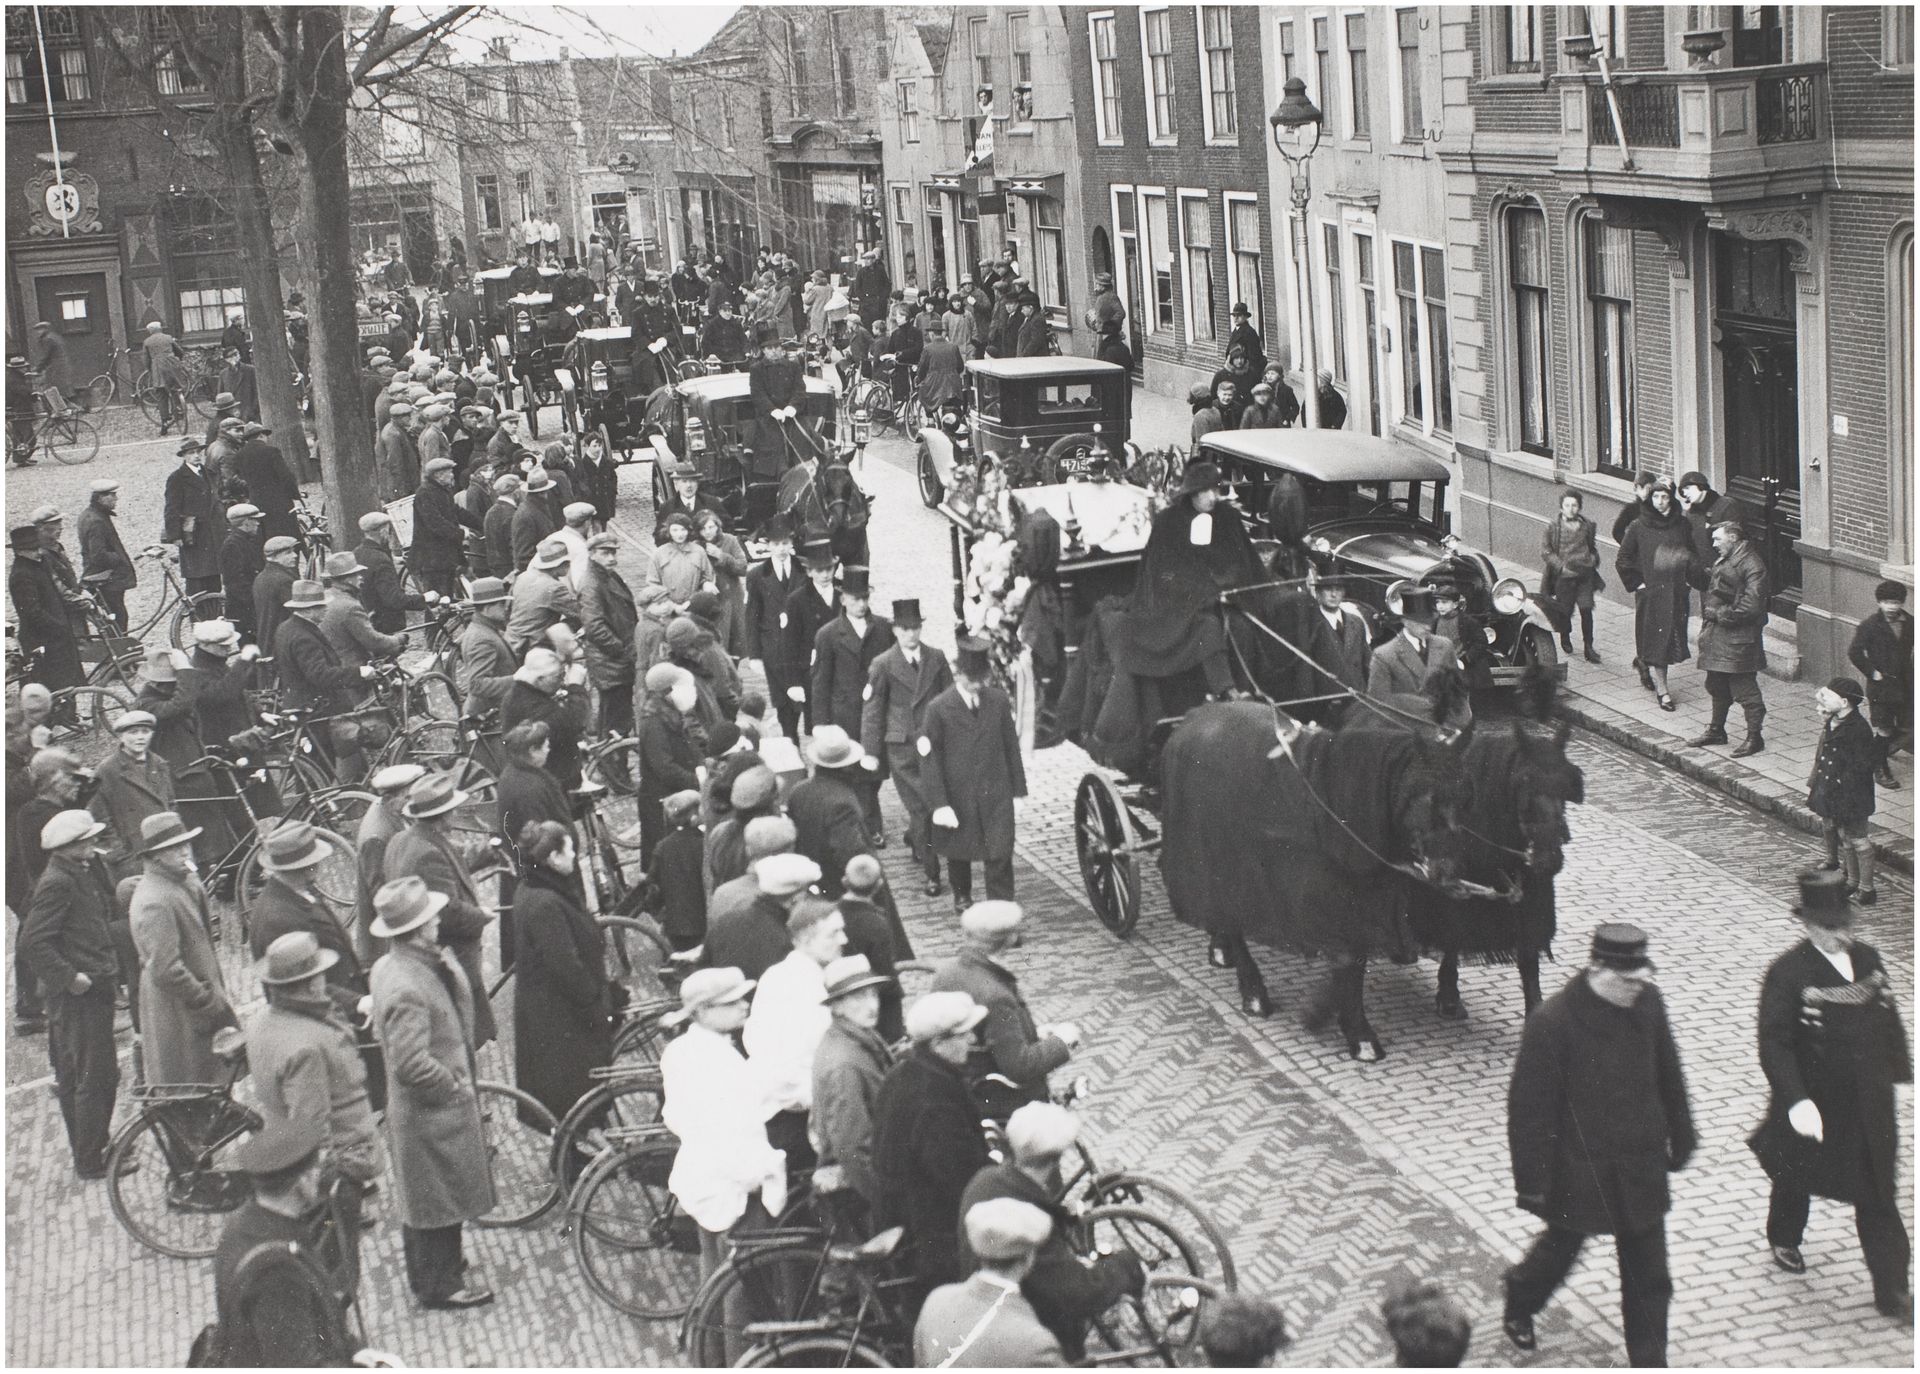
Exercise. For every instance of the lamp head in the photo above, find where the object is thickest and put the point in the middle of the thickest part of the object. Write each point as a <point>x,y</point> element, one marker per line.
<point>1293,114</point>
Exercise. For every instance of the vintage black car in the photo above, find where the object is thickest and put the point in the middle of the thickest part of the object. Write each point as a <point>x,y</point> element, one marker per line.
<point>1042,416</point>
<point>1379,510</point>
<point>709,422</point>
<point>597,391</point>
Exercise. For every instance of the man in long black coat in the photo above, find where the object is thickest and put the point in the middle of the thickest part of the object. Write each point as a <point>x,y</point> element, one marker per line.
<point>652,321</point>
<point>437,522</point>
<point>271,484</point>
<point>809,606</point>
<point>1832,1047</point>
<point>1597,1117</point>
<point>41,611</point>
<point>241,559</point>
<point>271,588</point>
<point>776,385</point>
<point>872,288</point>
<point>769,584</point>
<point>382,590</point>
<point>973,776</point>
<point>195,519</point>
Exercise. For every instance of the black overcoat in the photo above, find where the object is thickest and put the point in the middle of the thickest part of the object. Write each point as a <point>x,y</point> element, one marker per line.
<point>561,1011</point>
<point>1840,787</point>
<point>927,1146</point>
<point>971,762</point>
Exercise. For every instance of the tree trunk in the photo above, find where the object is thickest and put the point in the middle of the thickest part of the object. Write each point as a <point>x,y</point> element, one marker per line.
<point>345,433</point>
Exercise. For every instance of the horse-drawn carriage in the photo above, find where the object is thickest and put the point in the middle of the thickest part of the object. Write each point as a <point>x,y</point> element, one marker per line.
<point>710,422</point>
<point>597,391</point>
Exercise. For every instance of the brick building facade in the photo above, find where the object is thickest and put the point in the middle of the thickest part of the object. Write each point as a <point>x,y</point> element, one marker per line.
<point>1173,148</point>
<point>1731,292</point>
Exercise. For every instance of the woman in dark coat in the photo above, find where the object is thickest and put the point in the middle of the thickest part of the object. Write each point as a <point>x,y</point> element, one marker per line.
<point>1572,560</point>
<point>1656,560</point>
<point>562,1010</point>
<point>526,793</point>
<point>669,746</point>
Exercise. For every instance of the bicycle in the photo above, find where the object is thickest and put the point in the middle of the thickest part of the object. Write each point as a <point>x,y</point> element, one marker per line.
<point>163,403</point>
<point>103,387</point>
<point>64,434</point>
<point>171,1170</point>
<point>82,717</point>
<point>315,539</point>
<point>876,399</point>
<point>517,1129</point>
<point>179,607</point>
<point>638,1250</point>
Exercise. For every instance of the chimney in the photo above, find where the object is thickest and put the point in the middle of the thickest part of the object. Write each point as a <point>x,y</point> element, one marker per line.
<point>500,48</point>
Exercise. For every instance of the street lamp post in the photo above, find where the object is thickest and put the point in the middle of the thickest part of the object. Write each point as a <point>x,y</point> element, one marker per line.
<point>1290,119</point>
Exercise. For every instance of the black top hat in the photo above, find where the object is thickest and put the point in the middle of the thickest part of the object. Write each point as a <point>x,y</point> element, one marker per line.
<point>777,527</point>
<point>766,332</point>
<point>1823,899</point>
<point>907,613</point>
<point>1416,603</point>
<point>854,582</point>
<point>817,553</point>
<point>1619,945</point>
<point>970,656</point>
<point>1198,477</point>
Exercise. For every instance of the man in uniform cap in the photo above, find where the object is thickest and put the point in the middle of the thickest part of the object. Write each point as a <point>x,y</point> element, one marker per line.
<point>1597,1117</point>
<point>1733,612</point>
<point>986,1322</point>
<point>927,1143</point>
<point>1832,1047</point>
<point>974,778</point>
<point>269,1262</point>
<point>1067,1292</point>
<point>438,520</point>
<point>748,930</point>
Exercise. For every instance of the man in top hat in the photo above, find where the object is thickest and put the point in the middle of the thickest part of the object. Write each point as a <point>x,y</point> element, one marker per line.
<point>1832,1047</point>
<point>973,776</point>
<point>541,598</point>
<point>985,1322</point>
<point>901,684</point>
<point>397,455</point>
<point>290,902</point>
<point>727,1175</point>
<point>843,651</point>
<point>272,585</point>
<point>301,1055</point>
<point>849,1065</point>
<point>1733,612</point>
<point>537,517</point>
<point>1198,548</point>
<point>313,675</point>
<point>67,939</point>
<point>1409,663</point>
<point>381,589</point>
<point>1067,1291</point>
<point>809,609</point>
<point>437,523</point>
<point>427,1011</point>
<point>927,1142</point>
<point>769,583</point>
<point>656,333</point>
<point>776,398</point>
<point>346,623</point>
<point>1012,1044</point>
<point>183,991</point>
<point>270,1262</point>
<point>1597,1117</point>
<point>132,785</point>
<point>271,483</point>
<point>788,1018</point>
<point>194,519</point>
<point>104,564</point>
<point>431,848</point>
<point>41,611</point>
<point>241,559</point>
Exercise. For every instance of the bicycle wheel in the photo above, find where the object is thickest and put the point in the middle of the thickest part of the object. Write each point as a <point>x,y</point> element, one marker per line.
<point>171,1176</point>
<point>201,389</point>
<point>82,720</point>
<point>337,877</point>
<point>1213,1257</point>
<point>148,397</point>
<point>200,606</point>
<point>70,439</point>
<point>340,809</point>
<point>638,1250</point>
<point>636,958</point>
<point>643,1036</point>
<point>440,746</point>
<point>770,1281</point>
<point>1159,1328</point>
<point>432,696</point>
<point>101,391</point>
<point>517,1130</point>
<point>826,1350</point>
<point>629,1100</point>
<point>615,765</point>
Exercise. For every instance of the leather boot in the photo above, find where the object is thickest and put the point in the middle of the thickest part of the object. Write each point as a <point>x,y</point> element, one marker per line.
<point>1715,733</point>
<point>1752,744</point>
<point>1864,892</point>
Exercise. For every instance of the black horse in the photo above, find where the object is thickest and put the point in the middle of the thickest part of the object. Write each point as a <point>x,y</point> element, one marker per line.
<point>1513,832</point>
<point>1303,839</point>
<point>822,499</point>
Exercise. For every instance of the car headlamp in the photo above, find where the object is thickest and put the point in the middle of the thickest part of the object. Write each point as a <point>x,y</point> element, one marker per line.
<point>1509,596</point>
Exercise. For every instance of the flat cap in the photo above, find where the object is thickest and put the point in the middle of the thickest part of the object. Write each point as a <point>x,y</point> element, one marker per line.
<point>991,918</point>
<point>782,875</point>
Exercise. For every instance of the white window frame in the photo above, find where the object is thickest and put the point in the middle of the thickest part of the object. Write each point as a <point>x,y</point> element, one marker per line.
<point>1236,289</point>
<point>1122,282</point>
<point>905,237</point>
<point>1326,96</point>
<point>1171,137</point>
<point>1335,361</point>
<point>1609,28</point>
<point>977,27</point>
<point>1343,74</point>
<point>1213,136</point>
<point>1424,425</point>
<point>1502,39</point>
<point>1396,99</point>
<point>1286,31</point>
<point>1107,135</point>
<point>1514,430</point>
<point>1183,196</point>
<point>1150,317</point>
<point>907,96</point>
<point>1893,20</point>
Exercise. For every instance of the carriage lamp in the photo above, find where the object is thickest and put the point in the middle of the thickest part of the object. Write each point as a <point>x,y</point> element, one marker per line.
<point>597,376</point>
<point>862,425</point>
<point>696,435</point>
<point>1321,544</point>
<point>1509,596</point>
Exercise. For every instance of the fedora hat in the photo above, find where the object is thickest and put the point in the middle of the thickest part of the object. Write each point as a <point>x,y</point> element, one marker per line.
<point>341,565</point>
<point>164,830</point>
<point>306,595</point>
<point>1198,477</point>
<point>404,904</point>
<point>432,795</point>
<point>832,747</point>
<point>540,479</point>
<point>294,958</point>
<point>488,591</point>
<point>294,845</point>
<point>850,974</point>
<point>550,555</point>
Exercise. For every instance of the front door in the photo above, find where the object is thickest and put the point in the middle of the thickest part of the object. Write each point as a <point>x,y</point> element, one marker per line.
<point>1760,378</point>
<point>75,304</point>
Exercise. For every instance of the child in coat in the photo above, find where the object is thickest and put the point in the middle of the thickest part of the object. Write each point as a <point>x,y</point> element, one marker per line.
<point>1840,788</point>
<point>675,892</point>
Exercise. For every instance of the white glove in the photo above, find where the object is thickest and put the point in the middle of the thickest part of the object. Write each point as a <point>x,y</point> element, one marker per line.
<point>250,653</point>
<point>944,818</point>
<point>796,694</point>
<point>367,672</point>
<point>870,763</point>
<point>364,1008</point>
<point>1066,1033</point>
<point>431,597</point>
<point>1804,1117</point>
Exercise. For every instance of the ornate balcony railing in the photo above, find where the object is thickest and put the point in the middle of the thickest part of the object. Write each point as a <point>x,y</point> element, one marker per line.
<point>1785,108</point>
<point>1649,113</point>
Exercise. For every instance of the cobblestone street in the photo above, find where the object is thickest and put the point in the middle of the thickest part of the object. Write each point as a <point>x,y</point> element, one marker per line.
<point>1330,1177</point>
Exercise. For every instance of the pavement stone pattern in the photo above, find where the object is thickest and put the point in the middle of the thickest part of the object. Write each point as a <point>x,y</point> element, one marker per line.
<point>1327,1183</point>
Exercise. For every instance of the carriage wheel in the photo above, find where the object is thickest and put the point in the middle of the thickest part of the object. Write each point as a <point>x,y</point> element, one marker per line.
<point>662,492</point>
<point>533,406</point>
<point>932,490</point>
<point>1103,834</point>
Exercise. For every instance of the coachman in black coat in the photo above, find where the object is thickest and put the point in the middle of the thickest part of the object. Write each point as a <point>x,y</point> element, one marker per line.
<point>774,384</point>
<point>1837,1043</point>
<point>1597,1116</point>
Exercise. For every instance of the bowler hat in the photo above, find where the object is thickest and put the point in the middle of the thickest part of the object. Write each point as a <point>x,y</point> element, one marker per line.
<point>1620,945</point>
<point>294,958</point>
<point>164,830</point>
<point>1823,899</point>
<point>24,536</point>
<point>907,613</point>
<point>404,904</point>
<point>1240,308</point>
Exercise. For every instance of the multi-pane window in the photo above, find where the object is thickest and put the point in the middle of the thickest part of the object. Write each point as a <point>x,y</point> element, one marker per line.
<point>1369,324</point>
<point>1520,38</point>
<point>909,113</point>
<point>726,121</point>
<point>1106,77</point>
<point>172,73</point>
<point>1406,290</point>
<point>1159,257</point>
<point>204,244</point>
<point>1433,291</point>
<point>1336,303</point>
<point>903,232</point>
<point>486,194</point>
<point>1420,292</point>
<point>693,115</point>
<point>1216,44</point>
<point>1196,239</point>
<point>1285,30</point>
<point>1243,258</point>
<point>1157,35</point>
<point>1407,40</point>
<point>982,44</point>
<point>400,132</point>
<point>797,93</point>
<point>1050,257</point>
<point>1020,49</point>
<point>1357,122</point>
<point>1324,86</point>
<point>523,192</point>
<point>1610,306</point>
<point>1527,280</point>
<point>64,78</point>
<point>969,230</point>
